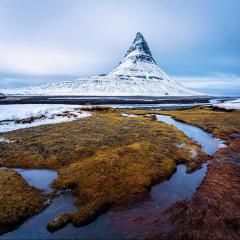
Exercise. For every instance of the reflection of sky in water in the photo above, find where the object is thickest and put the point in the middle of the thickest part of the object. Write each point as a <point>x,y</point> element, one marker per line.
<point>208,143</point>
<point>180,186</point>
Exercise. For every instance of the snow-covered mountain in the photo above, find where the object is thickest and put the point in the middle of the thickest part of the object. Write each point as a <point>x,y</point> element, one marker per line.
<point>137,75</point>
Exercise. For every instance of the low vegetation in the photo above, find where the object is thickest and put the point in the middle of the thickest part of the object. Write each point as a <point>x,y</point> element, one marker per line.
<point>17,200</point>
<point>103,158</point>
<point>214,211</point>
<point>108,158</point>
<point>221,123</point>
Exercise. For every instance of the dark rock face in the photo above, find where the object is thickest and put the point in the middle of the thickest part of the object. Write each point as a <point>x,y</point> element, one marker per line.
<point>153,117</point>
<point>141,45</point>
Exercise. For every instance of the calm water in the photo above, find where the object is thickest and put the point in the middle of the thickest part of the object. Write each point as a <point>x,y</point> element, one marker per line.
<point>208,143</point>
<point>35,227</point>
<point>38,178</point>
<point>180,186</point>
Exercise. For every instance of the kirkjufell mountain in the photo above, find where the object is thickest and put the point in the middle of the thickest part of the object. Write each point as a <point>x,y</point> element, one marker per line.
<point>137,75</point>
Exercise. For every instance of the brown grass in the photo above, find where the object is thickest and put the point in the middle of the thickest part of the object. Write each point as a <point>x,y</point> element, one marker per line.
<point>123,171</point>
<point>17,200</point>
<point>214,211</point>
<point>221,123</point>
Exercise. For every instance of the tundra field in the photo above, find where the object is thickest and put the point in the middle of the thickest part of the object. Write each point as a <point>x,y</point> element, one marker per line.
<point>110,161</point>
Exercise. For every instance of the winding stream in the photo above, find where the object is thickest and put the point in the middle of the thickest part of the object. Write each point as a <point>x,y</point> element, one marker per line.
<point>208,143</point>
<point>180,186</point>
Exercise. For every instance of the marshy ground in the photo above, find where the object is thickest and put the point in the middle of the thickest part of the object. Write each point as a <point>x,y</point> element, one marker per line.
<point>18,200</point>
<point>109,159</point>
<point>213,212</point>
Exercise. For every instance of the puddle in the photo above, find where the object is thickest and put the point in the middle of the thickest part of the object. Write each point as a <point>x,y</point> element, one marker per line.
<point>38,178</point>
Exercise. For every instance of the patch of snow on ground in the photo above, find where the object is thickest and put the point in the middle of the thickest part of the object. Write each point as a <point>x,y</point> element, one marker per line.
<point>180,145</point>
<point>221,144</point>
<point>50,112</point>
<point>194,153</point>
<point>234,105</point>
<point>5,140</point>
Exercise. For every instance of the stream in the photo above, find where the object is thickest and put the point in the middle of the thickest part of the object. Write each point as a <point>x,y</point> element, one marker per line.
<point>208,143</point>
<point>180,186</point>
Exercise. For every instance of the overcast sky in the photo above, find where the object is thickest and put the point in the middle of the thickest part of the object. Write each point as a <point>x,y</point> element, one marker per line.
<point>197,42</point>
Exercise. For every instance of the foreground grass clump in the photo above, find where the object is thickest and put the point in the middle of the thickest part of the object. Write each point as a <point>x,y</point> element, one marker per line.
<point>55,146</point>
<point>214,211</point>
<point>17,200</point>
<point>104,158</point>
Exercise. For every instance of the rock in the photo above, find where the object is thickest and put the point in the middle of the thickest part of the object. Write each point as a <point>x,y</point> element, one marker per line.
<point>153,117</point>
<point>29,120</point>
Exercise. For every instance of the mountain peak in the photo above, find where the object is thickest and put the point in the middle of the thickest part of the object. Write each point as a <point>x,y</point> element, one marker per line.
<point>139,50</point>
<point>137,75</point>
<point>138,60</point>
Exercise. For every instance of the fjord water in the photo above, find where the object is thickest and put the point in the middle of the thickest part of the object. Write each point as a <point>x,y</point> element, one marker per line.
<point>180,186</point>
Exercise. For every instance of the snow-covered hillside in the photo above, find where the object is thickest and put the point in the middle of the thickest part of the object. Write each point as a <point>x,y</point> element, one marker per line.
<point>137,75</point>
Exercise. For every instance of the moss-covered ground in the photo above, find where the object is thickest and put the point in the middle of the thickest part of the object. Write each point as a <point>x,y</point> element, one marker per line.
<point>103,158</point>
<point>17,200</point>
<point>107,158</point>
